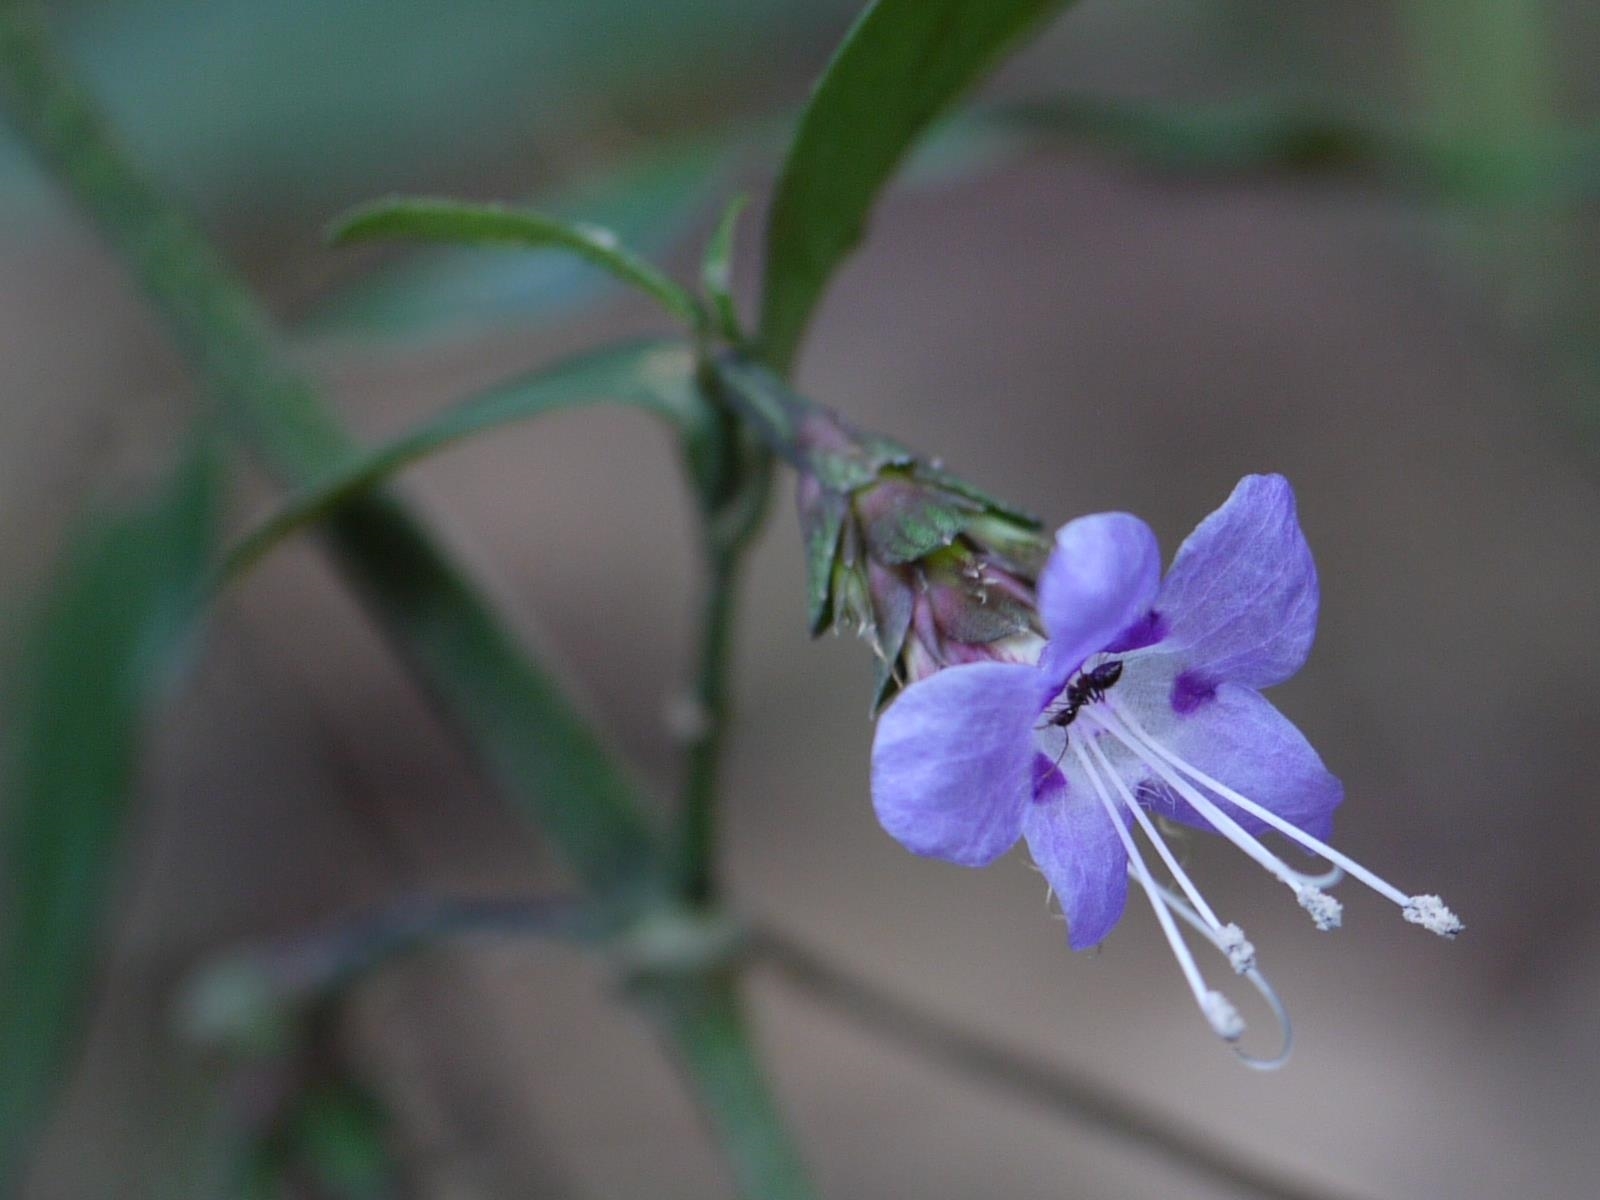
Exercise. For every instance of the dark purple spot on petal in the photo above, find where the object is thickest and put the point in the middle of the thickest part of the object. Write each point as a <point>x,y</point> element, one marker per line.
<point>1048,781</point>
<point>1146,631</point>
<point>1190,691</point>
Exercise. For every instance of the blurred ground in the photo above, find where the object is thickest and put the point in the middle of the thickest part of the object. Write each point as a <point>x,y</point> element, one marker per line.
<point>1078,338</point>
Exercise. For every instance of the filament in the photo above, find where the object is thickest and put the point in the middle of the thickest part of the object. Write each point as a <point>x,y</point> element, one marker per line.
<point>1324,909</point>
<point>1254,975</point>
<point>1241,954</point>
<point>1218,1011</point>
<point>1428,911</point>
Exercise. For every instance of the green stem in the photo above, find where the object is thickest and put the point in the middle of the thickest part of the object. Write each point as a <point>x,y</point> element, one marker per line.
<point>765,404</point>
<point>536,745</point>
<point>703,1019</point>
<point>709,715</point>
<point>734,478</point>
<point>316,968</point>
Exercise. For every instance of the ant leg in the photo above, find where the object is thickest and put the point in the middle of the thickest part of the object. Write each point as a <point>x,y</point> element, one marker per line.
<point>1066,739</point>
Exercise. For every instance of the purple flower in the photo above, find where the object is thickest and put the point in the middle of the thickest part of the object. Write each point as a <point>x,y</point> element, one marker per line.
<point>1145,702</point>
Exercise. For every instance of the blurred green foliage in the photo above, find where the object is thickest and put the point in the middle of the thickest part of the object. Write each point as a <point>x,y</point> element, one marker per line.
<point>109,635</point>
<point>288,109</point>
<point>331,1139</point>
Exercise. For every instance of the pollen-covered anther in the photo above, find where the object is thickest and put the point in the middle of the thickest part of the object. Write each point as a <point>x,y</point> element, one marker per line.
<point>1431,913</point>
<point>1241,953</point>
<point>1326,912</point>
<point>1224,1017</point>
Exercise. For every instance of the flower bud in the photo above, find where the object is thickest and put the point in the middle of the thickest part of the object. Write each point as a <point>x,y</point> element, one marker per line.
<point>927,569</point>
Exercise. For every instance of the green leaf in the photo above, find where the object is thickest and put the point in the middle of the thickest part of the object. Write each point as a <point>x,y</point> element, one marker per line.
<point>105,640</point>
<point>657,376</point>
<point>649,200</point>
<point>903,63</point>
<point>339,1135</point>
<point>716,272</point>
<point>488,224</point>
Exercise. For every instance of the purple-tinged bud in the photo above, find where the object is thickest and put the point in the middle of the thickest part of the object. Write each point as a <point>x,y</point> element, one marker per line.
<point>926,568</point>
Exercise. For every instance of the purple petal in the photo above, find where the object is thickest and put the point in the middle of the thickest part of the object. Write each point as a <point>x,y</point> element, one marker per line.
<point>1238,738</point>
<point>952,761</point>
<point>1240,602</point>
<point>1073,841</point>
<point>1101,578</point>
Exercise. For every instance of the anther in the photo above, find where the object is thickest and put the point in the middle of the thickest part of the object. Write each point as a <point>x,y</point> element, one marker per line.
<point>1241,953</point>
<point>1224,1017</point>
<point>1252,973</point>
<point>1430,912</point>
<point>1326,912</point>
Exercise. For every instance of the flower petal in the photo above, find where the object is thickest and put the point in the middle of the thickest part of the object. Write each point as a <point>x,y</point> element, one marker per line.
<point>1238,738</point>
<point>1076,846</point>
<point>952,761</point>
<point>1240,602</point>
<point>1101,578</point>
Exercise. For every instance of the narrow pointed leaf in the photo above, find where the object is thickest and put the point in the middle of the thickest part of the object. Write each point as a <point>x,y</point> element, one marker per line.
<point>900,67</point>
<point>488,224</point>
<point>657,376</point>
<point>716,272</point>
<point>438,292</point>
<point>105,640</point>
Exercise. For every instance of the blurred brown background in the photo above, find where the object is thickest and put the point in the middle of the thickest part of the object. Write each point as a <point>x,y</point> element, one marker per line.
<point>1069,329</point>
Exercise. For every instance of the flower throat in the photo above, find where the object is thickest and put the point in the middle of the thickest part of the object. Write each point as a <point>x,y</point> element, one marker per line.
<point>1089,687</point>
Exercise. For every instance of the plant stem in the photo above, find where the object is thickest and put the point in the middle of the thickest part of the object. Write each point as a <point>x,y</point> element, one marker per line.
<point>314,969</point>
<point>734,478</point>
<point>535,744</point>
<point>709,717</point>
<point>703,1019</point>
<point>1064,1092</point>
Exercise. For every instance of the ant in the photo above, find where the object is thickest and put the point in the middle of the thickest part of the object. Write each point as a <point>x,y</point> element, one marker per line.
<point>1090,687</point>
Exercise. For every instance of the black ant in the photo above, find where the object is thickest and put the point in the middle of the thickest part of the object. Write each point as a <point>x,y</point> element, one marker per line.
<point>1090,687</point>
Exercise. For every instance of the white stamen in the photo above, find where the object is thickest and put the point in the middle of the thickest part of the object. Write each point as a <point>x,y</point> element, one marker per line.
<point>1325,911</point>
<point>1329,878</point>
<point>1224,1019</point>
<point>1261,812</point>
<point>1256,978</point>
<point>1204,805</point>
<point>1239,949</point>
<point>1242,955</point>
<point>1430,912</point>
